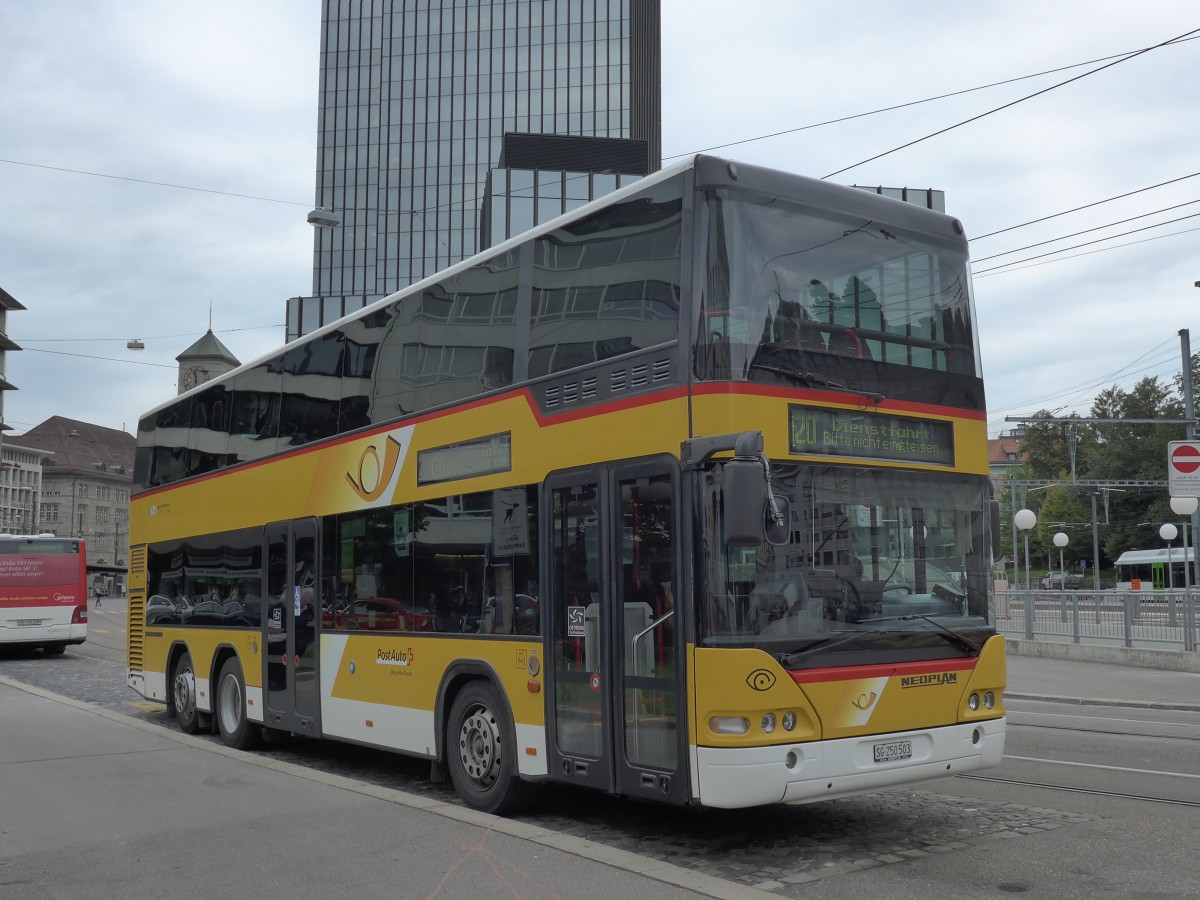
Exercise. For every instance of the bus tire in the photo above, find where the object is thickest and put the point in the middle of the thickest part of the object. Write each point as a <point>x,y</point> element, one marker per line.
<point>481,753</point>
<point>183,695</point>
<point>54,649</point>
<point>236,729</point>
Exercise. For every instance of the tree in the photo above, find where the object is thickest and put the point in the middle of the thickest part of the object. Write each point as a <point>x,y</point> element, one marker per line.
<point>1047,446</point>
<point>1067,510</point>
<point>1132,452</point>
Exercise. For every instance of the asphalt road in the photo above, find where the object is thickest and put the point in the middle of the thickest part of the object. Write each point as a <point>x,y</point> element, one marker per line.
<point>1090,802</point>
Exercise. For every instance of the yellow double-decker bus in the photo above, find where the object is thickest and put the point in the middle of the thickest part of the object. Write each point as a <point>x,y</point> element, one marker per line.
<point>681,496</point>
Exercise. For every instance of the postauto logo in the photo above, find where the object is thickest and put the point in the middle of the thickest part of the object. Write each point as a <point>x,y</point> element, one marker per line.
<point>363,473</point>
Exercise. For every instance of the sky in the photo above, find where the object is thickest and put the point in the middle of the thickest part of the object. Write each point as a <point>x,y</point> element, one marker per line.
<point>221,97</point>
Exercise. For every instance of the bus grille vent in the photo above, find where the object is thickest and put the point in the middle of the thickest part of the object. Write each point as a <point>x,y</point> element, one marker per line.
<point>570,392</point>
<point>137,561</point>
<point>589,389</point>
<point>639,376</point>
<point>553,396</point>
<point>662,369</point>
<point>136,631</point>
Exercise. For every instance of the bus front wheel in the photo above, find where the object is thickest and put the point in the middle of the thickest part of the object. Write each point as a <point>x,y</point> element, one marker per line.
<point>481,753</point>
<point>237,730</point>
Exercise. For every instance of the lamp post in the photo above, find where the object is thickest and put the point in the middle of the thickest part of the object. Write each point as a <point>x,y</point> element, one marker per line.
<point>1025,520</point>
<point>1168,533</point>
<point>1186,506</point>
<point>1061,540</point>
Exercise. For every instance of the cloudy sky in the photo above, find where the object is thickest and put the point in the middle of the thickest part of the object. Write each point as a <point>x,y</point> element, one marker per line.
<point>221,97</point>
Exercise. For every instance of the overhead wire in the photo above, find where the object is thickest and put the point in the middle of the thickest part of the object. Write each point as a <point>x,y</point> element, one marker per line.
<point>1066,212</point>
<point>979,259</point>
<point>763,137</point>
<point>1010,104</point>
<point>135,362</point>
<point>1005,269</point>
<point>1086,243</point>
<point>1115,59</point>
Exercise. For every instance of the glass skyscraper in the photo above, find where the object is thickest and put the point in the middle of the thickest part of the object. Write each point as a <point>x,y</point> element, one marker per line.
<point>416,100</point>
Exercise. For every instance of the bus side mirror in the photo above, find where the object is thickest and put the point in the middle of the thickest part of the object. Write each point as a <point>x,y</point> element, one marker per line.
<point>751,513</point>
<point>743,503</point>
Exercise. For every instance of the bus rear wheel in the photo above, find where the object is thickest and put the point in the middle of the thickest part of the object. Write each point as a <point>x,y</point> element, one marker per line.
<point>183,695</point>
<point>481,753</point>
<point>236,729</point>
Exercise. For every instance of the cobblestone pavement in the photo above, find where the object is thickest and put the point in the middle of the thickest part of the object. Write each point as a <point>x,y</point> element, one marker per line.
<point>777,848</point>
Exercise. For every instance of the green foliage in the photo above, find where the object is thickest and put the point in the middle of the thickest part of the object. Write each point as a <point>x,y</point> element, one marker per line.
<point>1103,452</point>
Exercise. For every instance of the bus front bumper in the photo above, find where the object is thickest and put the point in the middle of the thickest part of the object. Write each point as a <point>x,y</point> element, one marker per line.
<point>731,778</point>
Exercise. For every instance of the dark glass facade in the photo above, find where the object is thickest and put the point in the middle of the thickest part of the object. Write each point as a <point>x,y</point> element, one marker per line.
<point>415,99</point>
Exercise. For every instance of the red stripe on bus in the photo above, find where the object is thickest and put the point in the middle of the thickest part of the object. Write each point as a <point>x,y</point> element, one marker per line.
<point>881,670</point>
<point>842,398</point>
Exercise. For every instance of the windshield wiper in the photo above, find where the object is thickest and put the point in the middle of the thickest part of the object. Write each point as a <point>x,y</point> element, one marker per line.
<point>786,659</point>
<point>815,378</point>
<point>948,633</point>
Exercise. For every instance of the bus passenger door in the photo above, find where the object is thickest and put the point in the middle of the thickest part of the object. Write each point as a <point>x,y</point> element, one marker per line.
<point>613,678</point>
<point>290,628</point>
<point>577,656</point>
<point>648,633</point>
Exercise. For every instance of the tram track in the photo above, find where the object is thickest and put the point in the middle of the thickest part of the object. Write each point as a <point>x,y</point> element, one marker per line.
<point>1111,730</point>
<point>1096,792</point>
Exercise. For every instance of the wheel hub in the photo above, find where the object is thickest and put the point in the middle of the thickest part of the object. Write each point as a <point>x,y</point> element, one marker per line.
<point>479,747</point>
<point>185,692</point>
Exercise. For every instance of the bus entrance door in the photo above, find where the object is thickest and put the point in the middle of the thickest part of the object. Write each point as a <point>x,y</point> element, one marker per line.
<point>613,679</point>
<point>290,628</point>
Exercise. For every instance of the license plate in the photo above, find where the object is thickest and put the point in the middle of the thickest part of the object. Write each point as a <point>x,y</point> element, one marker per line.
<point>893,750</point>
<point>22,623</point>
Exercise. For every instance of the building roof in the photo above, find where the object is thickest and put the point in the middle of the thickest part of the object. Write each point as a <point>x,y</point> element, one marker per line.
<point>82,447</point>
<point>1005,451</point>
<point>8,301</point>
<point>208,347</point>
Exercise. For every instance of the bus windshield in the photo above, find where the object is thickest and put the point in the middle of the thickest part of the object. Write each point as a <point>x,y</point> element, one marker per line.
<point>873,554</point>
<point>829,300</point>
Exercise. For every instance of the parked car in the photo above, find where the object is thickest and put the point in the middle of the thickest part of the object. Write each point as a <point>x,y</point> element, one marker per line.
<point>1062,581</point>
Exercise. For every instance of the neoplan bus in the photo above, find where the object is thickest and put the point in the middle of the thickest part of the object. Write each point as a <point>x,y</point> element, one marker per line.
<point>43,591</point>
<point>682,496</point>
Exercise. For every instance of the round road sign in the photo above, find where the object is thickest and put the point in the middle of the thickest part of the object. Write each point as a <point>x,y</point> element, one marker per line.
<point>1185,458</point>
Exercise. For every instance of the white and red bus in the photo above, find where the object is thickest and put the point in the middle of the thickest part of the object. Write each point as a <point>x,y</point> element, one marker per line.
<point>43,591</point>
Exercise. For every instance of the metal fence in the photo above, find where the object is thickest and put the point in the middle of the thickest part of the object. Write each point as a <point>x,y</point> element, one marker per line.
<point>1164,620</point>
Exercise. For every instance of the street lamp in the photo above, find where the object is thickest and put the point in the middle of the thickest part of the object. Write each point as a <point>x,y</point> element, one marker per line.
<point>1061,540</point>
<point>1025,520</point>
<point>321,217</point>
<point>1168,533</point>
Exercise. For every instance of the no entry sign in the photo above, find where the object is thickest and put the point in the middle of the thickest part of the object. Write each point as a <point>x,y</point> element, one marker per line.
<point>1183,468</point>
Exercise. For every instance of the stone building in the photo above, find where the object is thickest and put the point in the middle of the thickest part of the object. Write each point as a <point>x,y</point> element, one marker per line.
<point>86,476</point>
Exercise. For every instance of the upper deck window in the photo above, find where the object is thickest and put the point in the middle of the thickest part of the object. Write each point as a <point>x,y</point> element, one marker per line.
<point>829,298</point>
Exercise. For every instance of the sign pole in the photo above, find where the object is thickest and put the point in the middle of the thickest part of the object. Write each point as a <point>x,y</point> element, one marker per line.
<point>1189,413</point>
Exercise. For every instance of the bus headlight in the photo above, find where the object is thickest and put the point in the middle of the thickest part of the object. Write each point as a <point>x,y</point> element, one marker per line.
<point>729,725</point>
<point>789,720</point>
<point>973,702</point>
<point>768,722</point>
<point>989,700</point>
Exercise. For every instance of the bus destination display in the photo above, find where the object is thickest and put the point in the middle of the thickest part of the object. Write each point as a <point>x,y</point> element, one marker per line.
<point>840,432</point>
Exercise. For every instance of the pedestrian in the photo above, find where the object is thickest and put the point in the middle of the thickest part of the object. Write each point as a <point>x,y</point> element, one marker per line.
<point>99,596</point>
